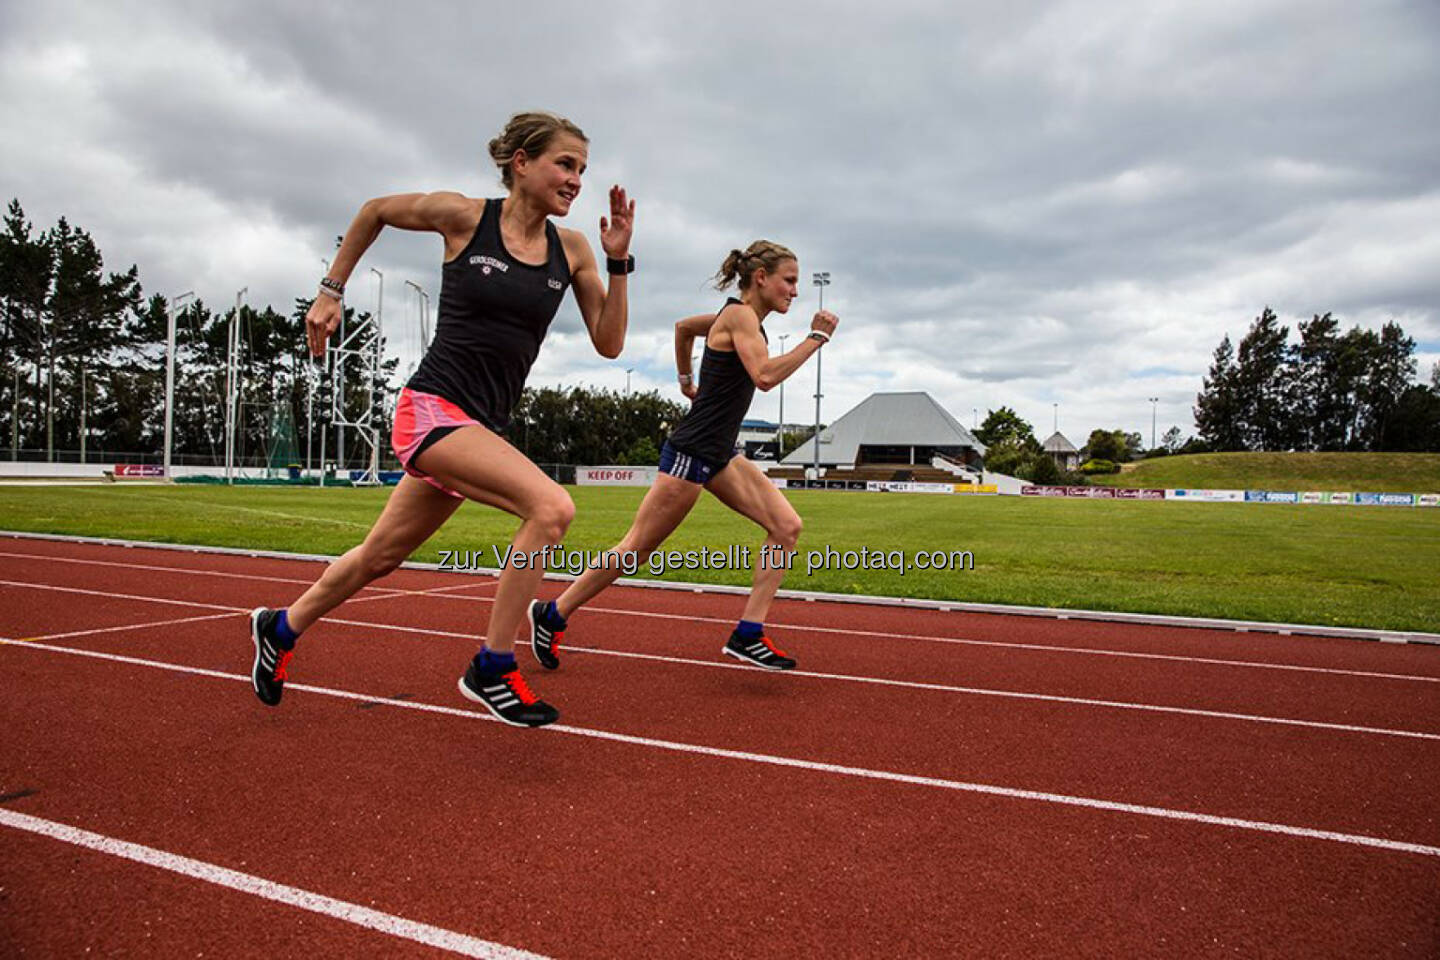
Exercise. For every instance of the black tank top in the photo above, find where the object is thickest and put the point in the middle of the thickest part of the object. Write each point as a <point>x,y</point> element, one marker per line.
<point>493,313</point>
<point>710,428</point>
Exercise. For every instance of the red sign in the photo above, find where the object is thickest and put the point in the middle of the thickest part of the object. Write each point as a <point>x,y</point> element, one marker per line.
<point>139,470</point>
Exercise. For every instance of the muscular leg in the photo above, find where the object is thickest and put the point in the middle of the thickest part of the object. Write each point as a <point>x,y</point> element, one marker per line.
<point>742,487</point>
<point>666,503</point>
<point>479,464</point>
<point>414,511</point>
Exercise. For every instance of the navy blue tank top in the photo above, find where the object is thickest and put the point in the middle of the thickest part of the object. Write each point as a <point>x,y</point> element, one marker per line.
<point>494,311</point>
<point>710,428</point>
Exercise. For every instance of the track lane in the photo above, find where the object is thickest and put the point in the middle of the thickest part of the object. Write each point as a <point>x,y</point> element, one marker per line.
<point>651,850</point>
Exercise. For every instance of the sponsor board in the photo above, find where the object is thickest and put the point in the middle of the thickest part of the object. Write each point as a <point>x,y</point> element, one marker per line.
<point>1030,491</point>
<point>139,470</point>
<point>1138,493</point>
<point>780,482</point>
<point>897,486</point>
<point>1386,499</point>
<point>1314,496</point>
<point>1341,498</point>
<point>976,488</point>
<point>1207,496</point>
<point>1092,493</point>
<point>1271,496</point>
<point>616,476</point>
<point>1427,500</point>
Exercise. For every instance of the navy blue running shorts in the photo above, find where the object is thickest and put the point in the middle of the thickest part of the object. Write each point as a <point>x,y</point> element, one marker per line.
<point>686,467</point>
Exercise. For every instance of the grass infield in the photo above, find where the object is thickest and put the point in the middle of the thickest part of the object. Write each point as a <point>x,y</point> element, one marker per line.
<point>1336,565</point>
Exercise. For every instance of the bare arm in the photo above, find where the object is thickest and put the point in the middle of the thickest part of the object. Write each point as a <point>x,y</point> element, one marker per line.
<point>605,312</point>
<point>767,371</point>
<point>685,333</point>
<point>452,215</point>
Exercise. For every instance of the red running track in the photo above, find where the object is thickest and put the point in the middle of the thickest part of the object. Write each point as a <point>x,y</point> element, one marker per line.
<point>931,784</point>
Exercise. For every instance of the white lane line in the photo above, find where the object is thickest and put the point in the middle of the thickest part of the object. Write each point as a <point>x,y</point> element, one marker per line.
<point>1022,695</point>
<point>121,596</point>
<point>1077,701</point>
<point>1046,648</point>
<point>138,626</point>
<point>179,570</point>
<point>442,593</point>
<point>964,641</point>
<point>353,913</point>
<point>1014,793</point>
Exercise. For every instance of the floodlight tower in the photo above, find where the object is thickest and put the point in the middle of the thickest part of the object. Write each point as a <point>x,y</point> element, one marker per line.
<point>231,387</point>
<point>822,280</point>
<point>174,306</point>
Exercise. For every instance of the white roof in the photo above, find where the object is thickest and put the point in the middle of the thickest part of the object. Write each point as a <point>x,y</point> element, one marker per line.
<point>887,419</point>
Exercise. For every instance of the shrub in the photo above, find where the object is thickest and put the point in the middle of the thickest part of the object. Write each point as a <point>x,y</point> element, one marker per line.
<point>1099,466</point>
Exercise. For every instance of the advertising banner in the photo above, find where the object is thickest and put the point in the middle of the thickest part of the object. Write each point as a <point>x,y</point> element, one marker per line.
<point>1386,499</point>
<point>1029,491</point>
<point>976,488</point>
<point>1271,496</point>
<point>1428,500</point>
<point>139,470</point>
<point>1091,493</point>
<point>1208,496</point>
<point>896,486</point>
<point>1127,493</point>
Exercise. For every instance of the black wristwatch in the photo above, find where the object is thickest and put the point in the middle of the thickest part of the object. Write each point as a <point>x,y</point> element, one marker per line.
<point>615,266</point>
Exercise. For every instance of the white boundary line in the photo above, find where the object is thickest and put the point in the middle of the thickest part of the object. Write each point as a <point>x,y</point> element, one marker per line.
<point>353,913</point>
<point>974,691</point>
<point>1054,613</point>
<point>928,638</point>
<point>1022,695</point>
<point>1013,793</point>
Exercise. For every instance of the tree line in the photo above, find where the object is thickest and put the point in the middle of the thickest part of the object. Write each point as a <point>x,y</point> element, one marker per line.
<point>1329,390</point>
<point>84,370</point>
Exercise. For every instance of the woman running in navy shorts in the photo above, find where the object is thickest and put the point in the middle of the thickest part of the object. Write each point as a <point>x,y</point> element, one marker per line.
<point>700,453</point>
<point>505,273</point>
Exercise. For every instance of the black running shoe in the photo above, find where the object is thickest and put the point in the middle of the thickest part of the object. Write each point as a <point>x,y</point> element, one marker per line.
<point>271,659</point>
<point>508,697</point>
<point>760,652</point>
<point>543,641</point>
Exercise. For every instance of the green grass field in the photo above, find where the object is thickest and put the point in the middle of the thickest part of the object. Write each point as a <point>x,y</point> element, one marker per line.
<point>1353,566</point>
<point>1355,472</point>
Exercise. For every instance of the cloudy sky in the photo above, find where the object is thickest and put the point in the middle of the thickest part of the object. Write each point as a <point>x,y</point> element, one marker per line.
<point>1061,203</point>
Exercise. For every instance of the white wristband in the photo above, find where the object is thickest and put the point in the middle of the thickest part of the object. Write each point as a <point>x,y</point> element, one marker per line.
<point>820,335</point>
<point>331,294</point>
<point>686,378</point>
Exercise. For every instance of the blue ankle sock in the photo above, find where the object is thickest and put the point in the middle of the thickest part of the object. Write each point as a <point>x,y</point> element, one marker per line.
<point>750,630</point>
<point>283,631</point>
<point>550,616</point>
<point>488,661</point>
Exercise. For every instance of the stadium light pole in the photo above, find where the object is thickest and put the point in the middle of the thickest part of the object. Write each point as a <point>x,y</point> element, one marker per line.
<point>780,433</point>
<point>822,280</point>
<point>424,300</point>
<point>170,374</point>
<point>628,371</point>
<point>1153,401</point>
<point>230,385</point>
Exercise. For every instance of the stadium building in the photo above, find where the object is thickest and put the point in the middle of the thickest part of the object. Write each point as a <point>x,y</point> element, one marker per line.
<point>896,433</point>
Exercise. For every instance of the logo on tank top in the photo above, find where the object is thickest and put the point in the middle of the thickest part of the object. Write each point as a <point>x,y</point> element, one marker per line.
<point>554,284</point>
<point>485,263</point>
